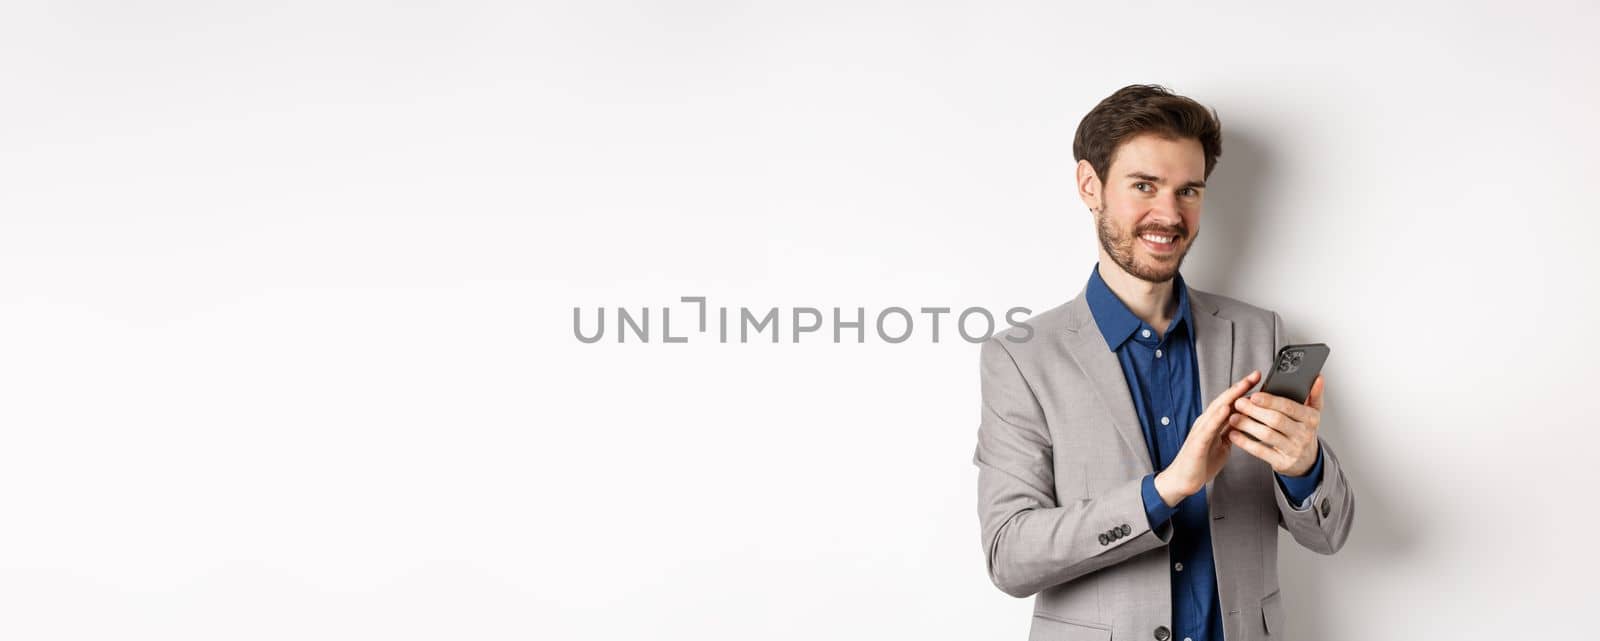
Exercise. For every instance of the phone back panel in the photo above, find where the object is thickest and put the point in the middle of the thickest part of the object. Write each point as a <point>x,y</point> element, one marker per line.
<point>1294,370</point>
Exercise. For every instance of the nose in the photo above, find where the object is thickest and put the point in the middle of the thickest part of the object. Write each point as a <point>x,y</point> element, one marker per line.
<point>1166,210</point>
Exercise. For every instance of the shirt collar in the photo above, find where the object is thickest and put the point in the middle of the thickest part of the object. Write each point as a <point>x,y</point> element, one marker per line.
<point>1116,323</point>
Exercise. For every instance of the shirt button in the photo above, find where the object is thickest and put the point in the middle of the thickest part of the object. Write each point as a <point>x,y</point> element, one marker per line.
<point>1187,639</point>
<point>1158,353</point>
<point>1177,566</point>
<point>1165,420</point>
<point>1145,333</point>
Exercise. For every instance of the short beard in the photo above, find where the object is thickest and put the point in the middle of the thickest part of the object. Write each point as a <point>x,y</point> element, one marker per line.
<point>1120,248</point>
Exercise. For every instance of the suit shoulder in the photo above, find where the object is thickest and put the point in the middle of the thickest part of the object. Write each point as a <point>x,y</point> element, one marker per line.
<point>1053,320</point>
<point>1020,335</point>
<point>1232,308</point>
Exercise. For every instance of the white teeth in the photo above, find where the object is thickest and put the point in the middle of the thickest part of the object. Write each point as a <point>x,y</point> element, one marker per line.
<point>1157,239</point>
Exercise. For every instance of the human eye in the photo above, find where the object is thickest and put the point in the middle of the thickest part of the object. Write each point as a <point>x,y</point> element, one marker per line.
<point>1190,191</point>
<point>1141,186</point>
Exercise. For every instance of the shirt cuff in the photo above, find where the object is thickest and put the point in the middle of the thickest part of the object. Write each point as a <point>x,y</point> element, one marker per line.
<point>1298,489</point>
<point>1155,509</point>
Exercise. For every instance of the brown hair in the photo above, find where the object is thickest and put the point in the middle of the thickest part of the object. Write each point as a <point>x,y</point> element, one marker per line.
<point>1138,109</point>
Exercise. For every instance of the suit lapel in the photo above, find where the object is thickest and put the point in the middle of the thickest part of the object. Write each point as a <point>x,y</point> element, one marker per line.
<point>1213,351</point>
<point>1088,347</point>
<point>1213,348</point>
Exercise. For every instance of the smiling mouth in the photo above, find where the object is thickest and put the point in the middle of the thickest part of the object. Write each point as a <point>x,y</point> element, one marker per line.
<point>1159,243</point>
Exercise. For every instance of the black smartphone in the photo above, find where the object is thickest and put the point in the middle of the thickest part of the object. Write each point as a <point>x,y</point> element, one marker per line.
<point>1294,370</point>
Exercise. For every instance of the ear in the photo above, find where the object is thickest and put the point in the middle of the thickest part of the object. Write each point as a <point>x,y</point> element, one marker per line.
<point>1089,185</point>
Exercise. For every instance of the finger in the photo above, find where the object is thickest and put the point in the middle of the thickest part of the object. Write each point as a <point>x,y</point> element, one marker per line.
<point>1269,417</point>
<point>1236,390</point>
<point>1263,434</point>
<point>1216,415</point>
<point>1288,407</point>
<point>1272,457</point>
<point>1314,399</point>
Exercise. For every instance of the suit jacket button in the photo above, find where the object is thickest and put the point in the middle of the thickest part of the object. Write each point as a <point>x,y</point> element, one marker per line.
<point>1126,530</point>
<point>1324,507</point>
<point>1162,633</point>
<point>1104,539</point>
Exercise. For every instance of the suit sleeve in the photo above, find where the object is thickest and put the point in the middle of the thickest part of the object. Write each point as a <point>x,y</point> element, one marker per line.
<point>1322,522</point>
<point>1029,540</point>
<point>1299,488</point>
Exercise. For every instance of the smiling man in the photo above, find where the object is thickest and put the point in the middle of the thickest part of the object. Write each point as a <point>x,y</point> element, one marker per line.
<point>1116,480</point>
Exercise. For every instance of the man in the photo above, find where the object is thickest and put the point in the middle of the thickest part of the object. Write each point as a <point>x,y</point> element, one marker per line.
<point>1104,486</point>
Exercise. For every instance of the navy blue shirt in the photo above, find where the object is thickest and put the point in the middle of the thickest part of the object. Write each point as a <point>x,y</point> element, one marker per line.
<point>1163,378</point>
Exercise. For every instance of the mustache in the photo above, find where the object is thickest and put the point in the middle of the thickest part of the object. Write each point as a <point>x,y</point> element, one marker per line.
<point>1179,231</point>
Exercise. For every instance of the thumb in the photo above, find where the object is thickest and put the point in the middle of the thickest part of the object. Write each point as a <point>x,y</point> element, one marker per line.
<point>1314,399</point>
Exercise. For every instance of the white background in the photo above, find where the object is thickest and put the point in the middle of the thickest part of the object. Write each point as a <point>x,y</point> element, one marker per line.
<point>286,298</point>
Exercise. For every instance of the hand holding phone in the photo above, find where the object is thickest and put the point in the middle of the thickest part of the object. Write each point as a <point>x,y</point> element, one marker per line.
<point>1273,430</point>
<point>1294,370</point>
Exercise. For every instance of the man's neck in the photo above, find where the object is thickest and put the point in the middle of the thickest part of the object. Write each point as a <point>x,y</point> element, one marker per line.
<point>1153,303</point>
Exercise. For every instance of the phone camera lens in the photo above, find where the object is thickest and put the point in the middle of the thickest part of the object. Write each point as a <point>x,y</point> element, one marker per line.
<point>1290,362</point>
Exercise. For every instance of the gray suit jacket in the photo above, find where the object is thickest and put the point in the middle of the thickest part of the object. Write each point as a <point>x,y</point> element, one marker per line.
<point>1060,459</point>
